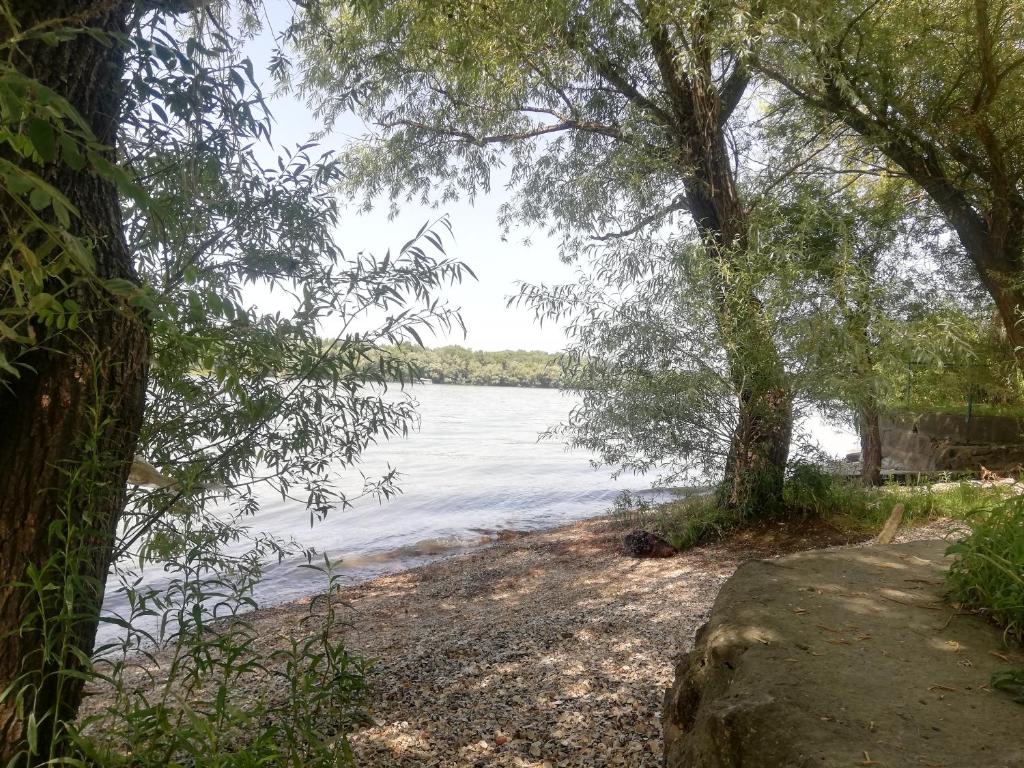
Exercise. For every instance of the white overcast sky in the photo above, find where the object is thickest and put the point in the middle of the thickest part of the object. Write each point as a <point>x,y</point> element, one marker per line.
<point>477,237</point>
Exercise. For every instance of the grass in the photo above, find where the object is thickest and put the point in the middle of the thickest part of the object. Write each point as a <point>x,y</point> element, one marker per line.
<point>988,572</point>
<point>855,508</point>
<point>811,493</point>
<point>684,522</point>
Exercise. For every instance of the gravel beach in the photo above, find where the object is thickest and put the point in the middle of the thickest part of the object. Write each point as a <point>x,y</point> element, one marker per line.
<point>544,650</point>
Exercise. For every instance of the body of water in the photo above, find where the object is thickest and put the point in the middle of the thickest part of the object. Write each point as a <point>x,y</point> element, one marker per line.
<point>475,468</point>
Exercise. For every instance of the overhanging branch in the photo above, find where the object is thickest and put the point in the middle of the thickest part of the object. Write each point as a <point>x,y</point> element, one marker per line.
<point>679,204</point>
<point>513,136</point>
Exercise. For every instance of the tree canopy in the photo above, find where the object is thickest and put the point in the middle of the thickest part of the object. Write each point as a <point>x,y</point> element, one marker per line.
<point>138,215</point>
<point>938,89</point>
<point>610,121</point>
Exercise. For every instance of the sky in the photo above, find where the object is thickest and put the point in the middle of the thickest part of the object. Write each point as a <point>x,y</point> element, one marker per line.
<point>477,240</point>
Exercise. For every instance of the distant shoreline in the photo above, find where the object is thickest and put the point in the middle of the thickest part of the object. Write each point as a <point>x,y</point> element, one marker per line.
<point>430,382</point>
<point>458,365</point>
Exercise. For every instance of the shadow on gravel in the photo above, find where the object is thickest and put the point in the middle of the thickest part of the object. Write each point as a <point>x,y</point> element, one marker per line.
<point>553,650</point>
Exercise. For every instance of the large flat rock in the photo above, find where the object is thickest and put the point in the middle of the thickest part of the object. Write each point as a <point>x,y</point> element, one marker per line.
<point>843,658</point>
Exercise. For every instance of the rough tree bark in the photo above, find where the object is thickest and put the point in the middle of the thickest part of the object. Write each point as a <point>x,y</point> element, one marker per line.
<point>68,425</point>
<point>857,317</point>
<point>759,448</point>
<point>870,446</point>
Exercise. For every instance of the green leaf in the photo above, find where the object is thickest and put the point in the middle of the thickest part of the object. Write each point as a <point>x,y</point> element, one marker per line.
<point>121,287</point>
<point>32,732</point>
<point>39,198</point>
<point>238,80</point>
<point>40,133</point>
<point>7,367</point>
<point>71,153</point>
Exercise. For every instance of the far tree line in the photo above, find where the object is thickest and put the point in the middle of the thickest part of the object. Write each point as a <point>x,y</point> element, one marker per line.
<point>458,365</point>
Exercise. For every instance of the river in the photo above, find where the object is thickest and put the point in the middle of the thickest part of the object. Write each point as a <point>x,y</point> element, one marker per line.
<point>474,468</point>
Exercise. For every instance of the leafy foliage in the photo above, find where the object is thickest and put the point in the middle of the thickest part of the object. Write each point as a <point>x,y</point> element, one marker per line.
<point>458,365</point>
<point>960,89</point>
<point>811,492</point>
<point>987,574</point>
<point>240,398</point>
<point>987,570</point>
<point>936,88</point>
<point>224,701</point>
<point>45,253</point>
<point>653,386</point>
<point>608,121</point>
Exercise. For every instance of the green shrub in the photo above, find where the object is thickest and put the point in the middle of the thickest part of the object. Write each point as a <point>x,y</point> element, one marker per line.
<point>988,570</point>
<point>988,575</point>
<point>809,489</point>
<point>696,523</point>
<point>812,492</point>
<point>225,701</point>
<point>684,523</point>
<point>852,506</point>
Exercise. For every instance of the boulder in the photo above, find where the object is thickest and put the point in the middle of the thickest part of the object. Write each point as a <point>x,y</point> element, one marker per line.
<point>842,658</point>
<point>641,543</point>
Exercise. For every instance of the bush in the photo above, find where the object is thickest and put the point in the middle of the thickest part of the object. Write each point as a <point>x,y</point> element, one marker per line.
<point>223,700</point>
<point>684,523</point>
<point>809,490</point>
<point>812,492</point>
<point>988,572</point>
<point>988,575</point>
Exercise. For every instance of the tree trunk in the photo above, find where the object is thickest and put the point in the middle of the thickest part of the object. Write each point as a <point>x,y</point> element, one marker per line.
<point>1000,264</point>
<point>759,448</point>
<point>756,465</point>
<point>68,425</point>
<point>870,446</point>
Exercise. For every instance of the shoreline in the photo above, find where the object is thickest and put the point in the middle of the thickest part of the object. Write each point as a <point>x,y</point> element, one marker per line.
<point>550,649</point>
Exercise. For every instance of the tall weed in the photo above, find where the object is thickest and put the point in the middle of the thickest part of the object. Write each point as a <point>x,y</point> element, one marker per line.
<point>988,570</point>
<point>225,696</point>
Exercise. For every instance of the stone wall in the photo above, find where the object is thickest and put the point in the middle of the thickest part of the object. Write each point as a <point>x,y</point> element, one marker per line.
<point>839,658</point>
<point>940,441</point>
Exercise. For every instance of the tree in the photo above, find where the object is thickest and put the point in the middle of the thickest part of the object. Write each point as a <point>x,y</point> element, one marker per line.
<point>851,238</point>
<point>938,88</point>
<point>116,263</point>
<point>609,117</point>
<point>72,395</point>
<point>649,372</point>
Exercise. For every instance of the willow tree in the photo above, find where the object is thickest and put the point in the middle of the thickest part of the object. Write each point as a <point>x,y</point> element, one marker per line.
<point>850,239</point>
<point>135,213</point>
<point>938,88</point>
<point>72,393</point>
<point>604,117</point>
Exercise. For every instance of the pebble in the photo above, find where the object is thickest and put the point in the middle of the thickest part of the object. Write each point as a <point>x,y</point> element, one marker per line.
<point>554,645</point>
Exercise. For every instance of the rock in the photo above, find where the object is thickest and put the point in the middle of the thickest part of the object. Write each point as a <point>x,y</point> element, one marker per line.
<point>854,456</point>
<point>641,543</point>
<point>839,658</point>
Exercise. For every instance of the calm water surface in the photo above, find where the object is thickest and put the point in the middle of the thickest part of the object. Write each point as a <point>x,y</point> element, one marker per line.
<point>473,469</point>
